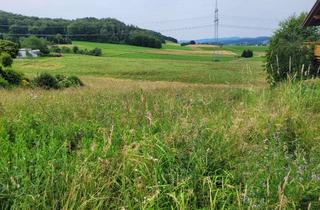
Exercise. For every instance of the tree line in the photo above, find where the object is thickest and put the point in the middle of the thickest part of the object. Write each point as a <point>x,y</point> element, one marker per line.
<point>61,31</point>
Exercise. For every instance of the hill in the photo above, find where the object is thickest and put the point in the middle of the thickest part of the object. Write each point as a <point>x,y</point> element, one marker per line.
<point>84,29</point>
<point>166,64</point>
<point>237,40</point>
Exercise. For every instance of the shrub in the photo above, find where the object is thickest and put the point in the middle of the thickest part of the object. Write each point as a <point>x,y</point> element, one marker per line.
<point>55,49</point>
<point>66,82</point>
<point>46,81</point>
<point>75,81</point>
<point>96,52</point>
<point>9,47</point>
<point>289,53</point>
<point>11,76</point>
<point>3,83</point>
<point>247,54</point>
<point>6,59</point>
<point>75,49</point>
<point>65,50</point>
<point>60,77</point>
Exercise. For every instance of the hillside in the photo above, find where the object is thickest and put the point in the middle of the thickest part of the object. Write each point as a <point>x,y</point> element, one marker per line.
<point>167,64</point>
<point>86,29</point>
<point>238,40</point>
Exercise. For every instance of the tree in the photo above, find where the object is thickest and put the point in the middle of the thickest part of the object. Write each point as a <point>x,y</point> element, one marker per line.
<point>144,40</point>
<point>192,42</point>
<point>59,39</point>
<point>247,54</point>
<point>87,29</point>
<point>4,25</point>
<point>9,47</point>
<point>291,52</point>
<point>6,59</point>
<point>35,43</point>
<point>17,30</point>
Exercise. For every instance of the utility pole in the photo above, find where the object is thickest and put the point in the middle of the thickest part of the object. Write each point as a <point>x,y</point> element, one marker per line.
<point>216,32</point>
<point>216,23</point>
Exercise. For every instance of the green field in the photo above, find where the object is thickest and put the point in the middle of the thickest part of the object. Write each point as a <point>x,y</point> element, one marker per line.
<point>122,61</point>
<point>160,129</point>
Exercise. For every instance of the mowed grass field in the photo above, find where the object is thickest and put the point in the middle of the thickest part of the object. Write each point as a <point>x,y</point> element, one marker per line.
<point>153,129</point>
<point>173,63</point>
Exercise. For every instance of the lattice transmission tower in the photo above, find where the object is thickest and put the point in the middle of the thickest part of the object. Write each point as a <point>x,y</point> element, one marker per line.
<point>216,23</point>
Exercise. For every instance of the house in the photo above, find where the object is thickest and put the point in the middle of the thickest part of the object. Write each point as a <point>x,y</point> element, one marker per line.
<point>313,19</point>
<point>28,53</point>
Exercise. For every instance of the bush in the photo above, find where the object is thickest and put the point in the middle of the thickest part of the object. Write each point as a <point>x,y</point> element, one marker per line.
<point>75,81</point>
<point>60,77</point>
<point>3,83</point>
<point>75,49</point>
<point>9,47</point>
<point>96,52</point>
<point>289,53</point>
<point>65,50</point>
<point>11,76</point>
<point>55,49</point>
<point>6,59</point>
<point>247,54</point>
<point>46,81</point>
<point>66,82</point>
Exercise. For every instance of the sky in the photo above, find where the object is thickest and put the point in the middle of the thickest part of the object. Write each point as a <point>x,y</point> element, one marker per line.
<point>182,19</point>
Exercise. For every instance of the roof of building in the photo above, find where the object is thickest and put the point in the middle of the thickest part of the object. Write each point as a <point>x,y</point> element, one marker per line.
<point>313,18</point>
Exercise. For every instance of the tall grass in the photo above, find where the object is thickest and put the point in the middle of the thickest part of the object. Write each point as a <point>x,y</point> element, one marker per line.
<point>160,148</point>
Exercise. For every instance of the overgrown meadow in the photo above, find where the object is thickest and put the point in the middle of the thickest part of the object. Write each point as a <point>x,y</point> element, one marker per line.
<point>127,144</point>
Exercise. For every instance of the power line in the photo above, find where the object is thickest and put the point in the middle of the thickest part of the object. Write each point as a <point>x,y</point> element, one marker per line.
<point>220,25</point>
<point>162,31</point>
<point>175,20</point>
<point>156,21</point>
<point>209,17</point>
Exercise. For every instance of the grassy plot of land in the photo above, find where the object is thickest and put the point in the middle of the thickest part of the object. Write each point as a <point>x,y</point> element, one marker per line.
<point>162,133</point>
<point>122,61</point>
<point>169,52</point>
<point>160,145</point>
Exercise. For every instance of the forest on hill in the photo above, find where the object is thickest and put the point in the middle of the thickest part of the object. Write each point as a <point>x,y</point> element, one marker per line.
<point>106,30</point>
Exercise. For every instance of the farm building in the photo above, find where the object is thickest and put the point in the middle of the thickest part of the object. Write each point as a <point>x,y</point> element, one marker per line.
<point>313,19</point>
<point>28,53</point>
